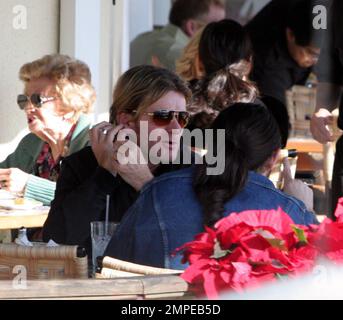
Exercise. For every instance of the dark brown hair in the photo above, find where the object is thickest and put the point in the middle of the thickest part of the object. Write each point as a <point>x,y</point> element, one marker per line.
<point>225,51</point>
<point>251,137</point>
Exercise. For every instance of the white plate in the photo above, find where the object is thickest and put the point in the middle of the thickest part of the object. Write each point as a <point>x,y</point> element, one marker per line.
<point>28,205</point>
<point>6,195</point>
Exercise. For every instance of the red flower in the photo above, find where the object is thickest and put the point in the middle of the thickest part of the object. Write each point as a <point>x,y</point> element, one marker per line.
<point>328,239</point>
<point>247,249</point>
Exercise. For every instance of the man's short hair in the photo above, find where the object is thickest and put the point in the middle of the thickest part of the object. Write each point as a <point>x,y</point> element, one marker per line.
<point>183,10</point>
<point>300,21</point>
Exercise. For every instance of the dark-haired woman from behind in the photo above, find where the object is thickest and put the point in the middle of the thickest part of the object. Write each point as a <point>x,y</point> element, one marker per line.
<point>225,61</point>
<point>173,208</point>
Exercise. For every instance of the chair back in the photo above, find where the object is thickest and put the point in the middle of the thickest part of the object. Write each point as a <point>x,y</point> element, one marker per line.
<point>301,104</point>
<point>42,262</point>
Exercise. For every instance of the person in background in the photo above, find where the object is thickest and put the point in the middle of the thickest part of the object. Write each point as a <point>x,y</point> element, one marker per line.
<point>286,46</point>
<point>58,95</point>
<point>144,95</point>
<point>188,66</point>
<point>225,58</point>
<point>173,208</point>
<point>163,47</point>
<point>225,43</point>
<point>329,95</point>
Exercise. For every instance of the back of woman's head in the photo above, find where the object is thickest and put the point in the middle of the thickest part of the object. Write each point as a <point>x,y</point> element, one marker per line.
<point>141,86</point>
<point>251,137</point>
<point>224,44</point>
<point>225,52</point>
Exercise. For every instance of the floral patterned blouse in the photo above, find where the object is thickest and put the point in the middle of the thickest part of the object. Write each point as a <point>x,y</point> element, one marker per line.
<point>48,168</point>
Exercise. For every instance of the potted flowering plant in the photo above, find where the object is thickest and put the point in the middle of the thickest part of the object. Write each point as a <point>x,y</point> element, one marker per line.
<point>247,249</point>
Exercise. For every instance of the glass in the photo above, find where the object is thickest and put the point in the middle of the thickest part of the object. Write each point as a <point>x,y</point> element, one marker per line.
<point>36,99</point>
<point>101,234</point>
<point>276,175</point>
<point>163,117</point>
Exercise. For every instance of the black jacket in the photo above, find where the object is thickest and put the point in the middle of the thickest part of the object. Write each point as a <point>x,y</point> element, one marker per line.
<point>80,198</point>
<point>274,70</point>
<point>330,65</point>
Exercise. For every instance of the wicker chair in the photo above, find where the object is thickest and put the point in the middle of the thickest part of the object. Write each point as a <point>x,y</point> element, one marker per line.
<point>43,262</point>
<point>301,104</point>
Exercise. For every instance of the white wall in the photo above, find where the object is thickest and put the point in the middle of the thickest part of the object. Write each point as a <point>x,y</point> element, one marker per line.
<point>161,12</point>
<point>97,32</point>
<point>18,46</point>
<point>141,17</point>
<point>244,10</point>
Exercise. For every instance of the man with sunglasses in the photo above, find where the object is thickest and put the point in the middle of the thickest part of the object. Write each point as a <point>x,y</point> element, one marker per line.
<point>163,47</point>
<point>147,101</point>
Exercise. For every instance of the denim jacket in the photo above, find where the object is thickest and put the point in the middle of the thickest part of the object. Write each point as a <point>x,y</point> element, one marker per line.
<point>167,214</point>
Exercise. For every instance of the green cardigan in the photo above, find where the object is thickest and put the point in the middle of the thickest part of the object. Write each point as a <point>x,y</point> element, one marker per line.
<point>27,152</point>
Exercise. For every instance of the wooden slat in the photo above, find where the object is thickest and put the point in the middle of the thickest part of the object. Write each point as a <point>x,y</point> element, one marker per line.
<point>28,219</point>
<point>163,284</point>
<point>71,288</point>
<point>154,286</point>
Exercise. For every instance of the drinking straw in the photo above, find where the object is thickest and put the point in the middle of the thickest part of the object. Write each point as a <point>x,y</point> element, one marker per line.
<point>107,213</point>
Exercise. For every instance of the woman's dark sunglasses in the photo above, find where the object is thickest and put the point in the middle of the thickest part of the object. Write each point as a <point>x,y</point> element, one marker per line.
<point>36,99</point>
<point>162,118</point>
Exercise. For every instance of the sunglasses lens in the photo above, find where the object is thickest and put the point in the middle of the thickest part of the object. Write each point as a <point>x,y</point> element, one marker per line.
<point>162,118</point>
<point>183,119</point>
<point>36,100</point>
<point>22,101</point>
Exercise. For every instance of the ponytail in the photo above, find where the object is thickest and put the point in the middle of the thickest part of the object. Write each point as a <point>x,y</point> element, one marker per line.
<point>251,137</point>
<point>225,88</point>
<point>214,191</point>
<point>221,90</point>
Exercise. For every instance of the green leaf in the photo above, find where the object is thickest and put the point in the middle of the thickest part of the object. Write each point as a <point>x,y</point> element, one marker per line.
<point>218,252</point>
<point>274,242</point>
<point>277,243</point>
<point>300,234</point>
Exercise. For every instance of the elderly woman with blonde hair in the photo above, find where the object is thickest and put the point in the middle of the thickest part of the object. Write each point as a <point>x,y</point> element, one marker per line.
<point>57,96</point>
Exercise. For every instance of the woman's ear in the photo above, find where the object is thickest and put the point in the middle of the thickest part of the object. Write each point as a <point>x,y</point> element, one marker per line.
<point>270,163</point>
<point>190,28</point>
<point>126,119</point>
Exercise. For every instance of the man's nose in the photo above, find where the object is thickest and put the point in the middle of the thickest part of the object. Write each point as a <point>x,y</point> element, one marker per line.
<point>174,123</point>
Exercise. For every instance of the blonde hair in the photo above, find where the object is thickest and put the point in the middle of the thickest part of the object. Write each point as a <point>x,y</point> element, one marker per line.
<point>141,86</point>
<point>72,77</point>
<point>188,65</point>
